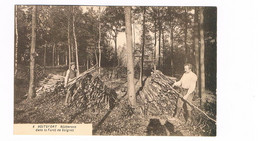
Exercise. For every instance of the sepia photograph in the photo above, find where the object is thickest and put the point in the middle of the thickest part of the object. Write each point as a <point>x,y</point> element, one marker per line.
<point>125,70</point>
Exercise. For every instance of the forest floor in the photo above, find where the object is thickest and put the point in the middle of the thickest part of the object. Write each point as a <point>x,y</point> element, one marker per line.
<point>120,120</point>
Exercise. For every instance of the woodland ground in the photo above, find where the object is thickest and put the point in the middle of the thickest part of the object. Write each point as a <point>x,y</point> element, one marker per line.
<point>119,120</point>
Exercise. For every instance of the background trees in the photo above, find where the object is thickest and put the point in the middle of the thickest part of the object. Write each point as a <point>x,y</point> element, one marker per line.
<point>113,20</point>
<point>163,38</point>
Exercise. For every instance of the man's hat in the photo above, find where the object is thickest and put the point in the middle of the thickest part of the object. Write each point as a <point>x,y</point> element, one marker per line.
<point>72,63</point>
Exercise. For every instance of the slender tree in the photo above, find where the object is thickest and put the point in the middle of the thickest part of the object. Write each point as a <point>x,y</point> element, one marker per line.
<point>96,56</point>
<point>53,54</point>
<point>164,47</point>
<point>58,56</point>
<point>130,62</point>
<point>142,56</point>
<point>99,39</point>
<point>133,27</point>
<point>160,36</point>
<point>72,46</point>
<point>197,49</point>
<point>155,52</point>
<point>172,61</point>
<point>75,40</point>
<point>66,57</point>
<point>69,47</point>
<point>31,93</point>
<point>202,51</point>
<point>16,42</point>
<point>44,56</point>
<point>171,38</point>
<point>115,41</point>
<point>185,35</point>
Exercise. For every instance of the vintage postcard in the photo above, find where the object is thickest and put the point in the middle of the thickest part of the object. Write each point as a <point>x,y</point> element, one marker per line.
<point>115,70</point>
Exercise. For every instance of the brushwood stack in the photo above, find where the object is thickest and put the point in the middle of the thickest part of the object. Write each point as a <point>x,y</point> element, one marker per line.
<point>91,92</point>
<point>157,97</point>
<point>88,90</point>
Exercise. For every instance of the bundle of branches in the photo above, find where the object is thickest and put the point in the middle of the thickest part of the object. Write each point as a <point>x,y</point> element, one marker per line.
<point>89,91</point>
<point>159,98</point>
<point>156,96</point>
<point>92,93</point>
<point>89,94</point>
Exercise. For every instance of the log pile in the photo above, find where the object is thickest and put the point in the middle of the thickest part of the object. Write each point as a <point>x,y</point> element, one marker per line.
<point>156,96</point>
<point>88,91</point>
<point>92,93</point>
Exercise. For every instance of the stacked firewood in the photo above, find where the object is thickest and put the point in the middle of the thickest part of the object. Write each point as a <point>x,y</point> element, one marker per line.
<point>91,92</point>
<point>157,96</point>
<point>87,90</point>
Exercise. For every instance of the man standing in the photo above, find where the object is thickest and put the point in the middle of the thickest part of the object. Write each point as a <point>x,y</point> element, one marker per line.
<point>188,85</point>
<point>71,73</point>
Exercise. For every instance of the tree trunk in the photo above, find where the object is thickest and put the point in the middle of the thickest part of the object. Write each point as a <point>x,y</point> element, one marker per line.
<point>160,34</point>
<point>172,61</point>
<point>163,47</point>
<point>155,47</point>
<point>134,34</point>
<point>142,56</point>
<point>75,40</point>
<point>58,57</point>
<point>130,62</point>
<point>66,57</point>
<point>87,63</point>
<point>171,36</point>
<point>31,93</point>
<point>202,51</point>
<point>53,55</point>
<point>115,40</point>
<point>44,56</point>
<point>96,57</point>
<point>99,40</point>
<point>69,48</point>
<point>72,45</point>
<point>197,49</point>
<point>185,37</point>
<point>171,41</point>
<point>159,48</point>
<point>16,43</point>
